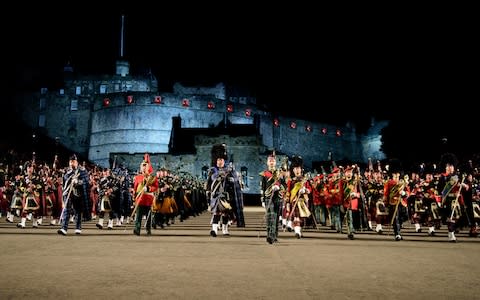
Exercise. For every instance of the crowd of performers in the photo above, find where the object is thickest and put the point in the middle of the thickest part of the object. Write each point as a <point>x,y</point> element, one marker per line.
<point>348,199</point>
<point>37,192</point>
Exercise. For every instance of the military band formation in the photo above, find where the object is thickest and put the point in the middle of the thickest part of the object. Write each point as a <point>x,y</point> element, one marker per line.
<point>346,199</point>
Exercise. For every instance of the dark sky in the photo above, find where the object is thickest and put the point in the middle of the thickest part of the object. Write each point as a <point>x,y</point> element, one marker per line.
<point>332,65</point>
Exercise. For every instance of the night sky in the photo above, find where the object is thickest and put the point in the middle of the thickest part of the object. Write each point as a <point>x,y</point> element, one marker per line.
<point>328,66</point>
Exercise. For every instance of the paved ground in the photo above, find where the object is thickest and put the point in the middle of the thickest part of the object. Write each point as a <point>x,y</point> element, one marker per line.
<point>184,262</point>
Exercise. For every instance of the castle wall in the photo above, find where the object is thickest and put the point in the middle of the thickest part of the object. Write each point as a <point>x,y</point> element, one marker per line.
<point>85,123</point>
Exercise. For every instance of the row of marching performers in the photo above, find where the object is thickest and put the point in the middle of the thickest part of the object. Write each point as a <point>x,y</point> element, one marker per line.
<point>36,192</point>
<point>373,198</point>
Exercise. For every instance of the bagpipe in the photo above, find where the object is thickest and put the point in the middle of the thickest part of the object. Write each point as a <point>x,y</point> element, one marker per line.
<point>298,199</point>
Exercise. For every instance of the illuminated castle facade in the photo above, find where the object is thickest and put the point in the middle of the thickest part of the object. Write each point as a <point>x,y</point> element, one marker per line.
<point>120,117</point>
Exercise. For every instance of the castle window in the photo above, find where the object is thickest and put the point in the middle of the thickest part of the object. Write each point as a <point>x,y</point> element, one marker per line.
<point>43,91</point>
<point>43,104</point>
<point>78,90</point>
<point>74,105</point>
<point>103,88</point>
<point>62,92</point>
<point>41,120</point>
<point>205,172</point>
<point>244,173</point>
<point>72,129</point>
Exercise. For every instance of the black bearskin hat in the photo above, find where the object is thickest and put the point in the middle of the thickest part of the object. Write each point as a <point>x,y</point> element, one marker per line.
<point>448,159</point>
<point>296,161</point>
<point>218,151</point>
<point>429,169</point>
<point>73,157</point>
<point>272,154</point>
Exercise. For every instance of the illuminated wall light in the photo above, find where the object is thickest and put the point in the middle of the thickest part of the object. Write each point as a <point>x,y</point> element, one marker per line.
<point>157,100</point>
<point>185,102</point>
<point>338,132</point>
<point>293,125</point>
<point>308,128</point>
<point>276,122</point>
<point>248,112</point>
<point>106,102</point>
<point>324,131</point>
<point>211,105</point>
<point>129,99</point>
<point>230,108</point>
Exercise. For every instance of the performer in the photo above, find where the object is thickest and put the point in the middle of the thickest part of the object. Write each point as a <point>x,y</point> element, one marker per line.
<point>223,188</point>
<point>296,196</point>
<point>429,201</point>
<point>272,186</point>
<point>450,186</point>
<point>76,200</point>
<point>396,193</point>
<point>107,197</point>
<point>32,190</point>
<point>320,196</point>
<point>334,199</point>
<point>164,206</point>
<point>144,184</point>
<point>351,195</point>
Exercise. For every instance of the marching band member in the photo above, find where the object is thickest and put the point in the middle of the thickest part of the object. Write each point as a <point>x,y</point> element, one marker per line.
<point>376,200</point>
<point>450,186</point>
<point>296,196</point>
<point>76,200</point>
<point>32,190</point>
<point>106,197</point>
<point>223,188</point>
<point>350,198</point>
<point>144,185</point>
<point>416,208</point>
<point>395,193</point>
<point>430,203</point>
<point>271,189</point>
<point>334,200</point>
<point>320,195</point>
